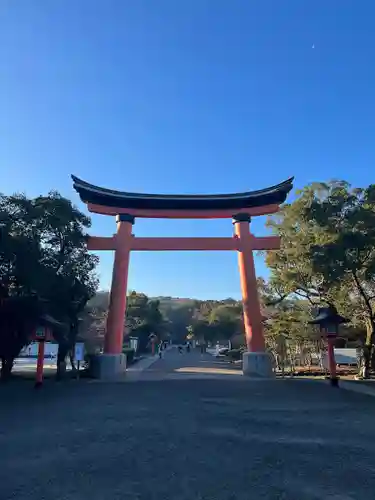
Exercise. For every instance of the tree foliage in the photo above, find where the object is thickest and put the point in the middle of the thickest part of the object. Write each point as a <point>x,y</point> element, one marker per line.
<point>43,260</point>
<point>143,318</point>
<point>291,268</point>
<point>327,255</point>
<point>346,257</point>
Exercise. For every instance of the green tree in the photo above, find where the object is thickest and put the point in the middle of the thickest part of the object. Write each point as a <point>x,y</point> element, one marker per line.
<point>216,320</point>
<point>292,271</point>
<point>326,254</point>
<point>43,254</point>
<point>20,249</point>
<point>346,256</point>
<point>68,273</point>
<point>288,334</point>
<point>19,315</point>
<point>178,314</point>
<point>143,318</point>
<point>226,320</point>
<point>20,257</point>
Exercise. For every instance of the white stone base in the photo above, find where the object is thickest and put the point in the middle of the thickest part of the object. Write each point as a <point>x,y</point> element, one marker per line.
<point>257,364</point>
<point>108,366</point>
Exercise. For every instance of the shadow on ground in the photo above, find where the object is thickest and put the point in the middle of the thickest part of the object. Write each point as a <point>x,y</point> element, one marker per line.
<point>186,439</point>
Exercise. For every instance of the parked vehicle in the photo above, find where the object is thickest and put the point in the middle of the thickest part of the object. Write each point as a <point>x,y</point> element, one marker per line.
<point>222,352</point>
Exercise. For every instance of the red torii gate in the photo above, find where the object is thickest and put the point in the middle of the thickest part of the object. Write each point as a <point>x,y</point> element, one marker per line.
<point>240,207</point>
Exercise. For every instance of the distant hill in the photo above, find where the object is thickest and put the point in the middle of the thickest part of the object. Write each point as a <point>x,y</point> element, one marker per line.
<point>174,302</point>
<point>176,310</point>
<point>167,304</point>
<point>101,300</point>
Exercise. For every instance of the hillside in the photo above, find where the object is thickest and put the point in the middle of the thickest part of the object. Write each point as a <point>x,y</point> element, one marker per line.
<point>178,313</point>
<point>101,299</point>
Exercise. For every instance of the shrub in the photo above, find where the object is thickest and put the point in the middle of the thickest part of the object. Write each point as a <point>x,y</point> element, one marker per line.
<point>234,354</point>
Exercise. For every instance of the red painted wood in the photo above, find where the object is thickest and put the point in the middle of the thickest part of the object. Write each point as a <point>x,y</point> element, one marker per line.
<point>117,301</point>
<point>182,214</point>
<point>250,300</point>
<point>99,243</point>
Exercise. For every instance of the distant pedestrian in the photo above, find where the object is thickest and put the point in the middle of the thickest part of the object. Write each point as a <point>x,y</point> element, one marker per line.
<point>160,349</point>
<point>180,349</point>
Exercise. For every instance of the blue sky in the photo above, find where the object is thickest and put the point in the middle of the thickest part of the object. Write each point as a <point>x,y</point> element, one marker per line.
<point>188,96</point>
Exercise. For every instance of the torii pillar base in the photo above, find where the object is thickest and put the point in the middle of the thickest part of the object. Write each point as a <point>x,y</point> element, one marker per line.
<point>108,366</point>
<point>257,364</point>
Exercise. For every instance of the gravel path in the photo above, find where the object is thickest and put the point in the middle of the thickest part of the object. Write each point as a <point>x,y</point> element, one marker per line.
<point>221,438</point>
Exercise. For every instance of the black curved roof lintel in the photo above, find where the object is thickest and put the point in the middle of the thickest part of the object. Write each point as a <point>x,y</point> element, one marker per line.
<point>89,193</point>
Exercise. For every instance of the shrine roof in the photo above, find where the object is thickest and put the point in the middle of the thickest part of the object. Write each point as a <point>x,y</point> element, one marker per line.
<point>89,193</point>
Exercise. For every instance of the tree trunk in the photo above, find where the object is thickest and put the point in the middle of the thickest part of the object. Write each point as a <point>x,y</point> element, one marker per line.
<point>65,349</point>
<point>368,351</point>
<point>291,360</point>
<point>72,362</point>
<point>277,360</point>
<point>370,325</point>
<point>6,368</point>
<point>61,361</point>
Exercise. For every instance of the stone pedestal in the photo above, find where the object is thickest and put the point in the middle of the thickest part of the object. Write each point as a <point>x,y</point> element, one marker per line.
<point>257,364</point>
<point>108,366</point>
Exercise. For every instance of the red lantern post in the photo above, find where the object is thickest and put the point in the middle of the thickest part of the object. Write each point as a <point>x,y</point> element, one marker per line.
<point>331,334</point>
<point>329,320</point>
<point>153,340</point>
<point>41,334</point>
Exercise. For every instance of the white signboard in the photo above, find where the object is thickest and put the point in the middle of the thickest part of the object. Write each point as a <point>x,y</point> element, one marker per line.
<point>79,352</point>
<point>133,343</point>
<point>343,356</point>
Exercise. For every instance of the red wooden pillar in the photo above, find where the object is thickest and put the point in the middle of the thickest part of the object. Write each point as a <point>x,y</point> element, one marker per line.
<point>331,360</point>
<point>250,299</point>
<point>117,302</point>
<point>41,334</point>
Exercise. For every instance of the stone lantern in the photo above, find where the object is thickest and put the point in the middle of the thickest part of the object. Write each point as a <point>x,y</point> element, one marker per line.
<point>329,320</point>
